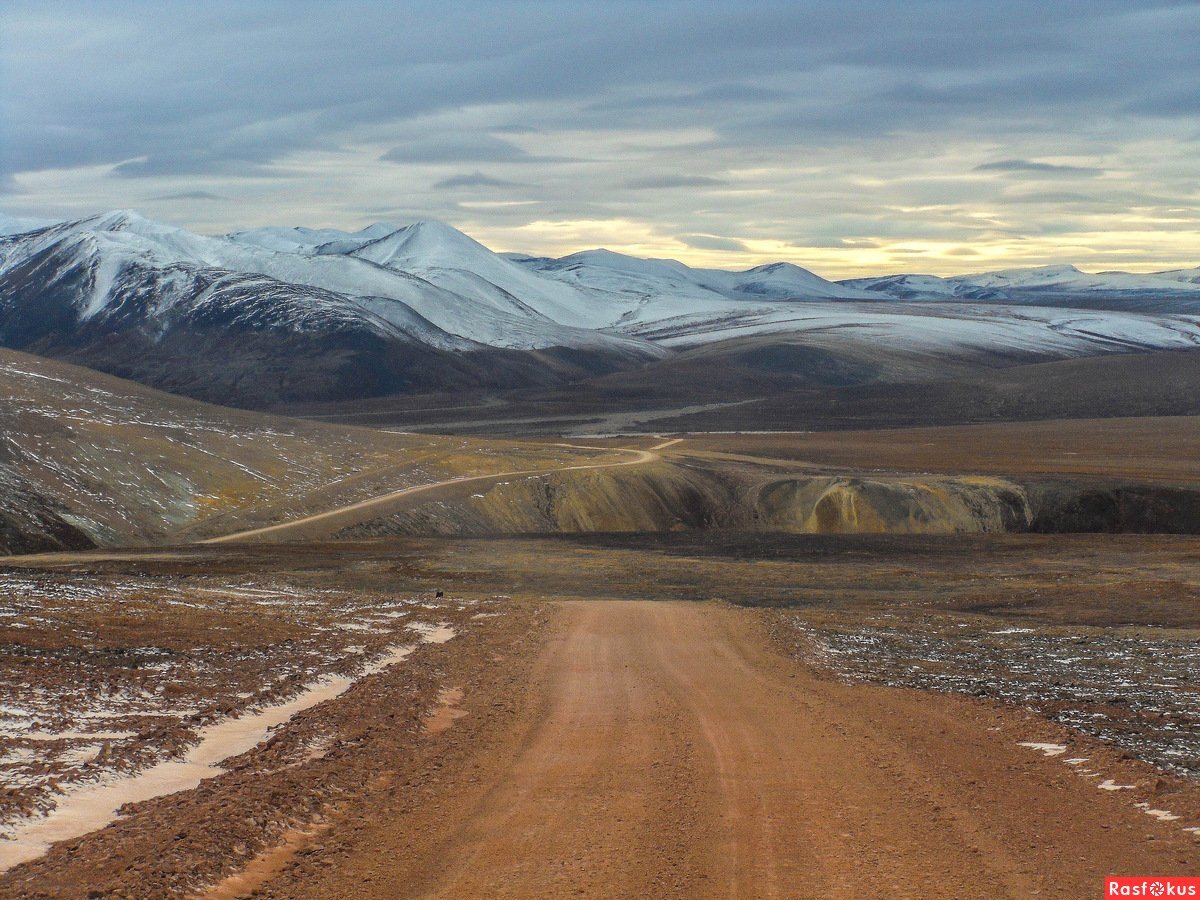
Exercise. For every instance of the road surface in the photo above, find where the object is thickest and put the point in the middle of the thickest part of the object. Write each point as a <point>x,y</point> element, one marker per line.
<point>665,750</point>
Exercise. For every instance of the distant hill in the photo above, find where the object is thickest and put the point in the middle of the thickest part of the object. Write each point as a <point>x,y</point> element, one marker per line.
<point>288,315</point>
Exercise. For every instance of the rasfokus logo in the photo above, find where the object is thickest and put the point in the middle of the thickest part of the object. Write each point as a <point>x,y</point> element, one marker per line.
<point>1139,886</point>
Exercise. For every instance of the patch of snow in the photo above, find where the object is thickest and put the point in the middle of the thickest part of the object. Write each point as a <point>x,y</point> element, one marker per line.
<point>1047,749</point>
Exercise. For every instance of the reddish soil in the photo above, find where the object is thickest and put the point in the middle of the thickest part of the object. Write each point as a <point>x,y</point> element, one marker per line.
<point>625,743</point>
<point>1146,449</point>
<point>665,749</point>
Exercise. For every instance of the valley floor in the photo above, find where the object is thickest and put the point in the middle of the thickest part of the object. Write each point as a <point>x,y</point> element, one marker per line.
<point>612,717</point>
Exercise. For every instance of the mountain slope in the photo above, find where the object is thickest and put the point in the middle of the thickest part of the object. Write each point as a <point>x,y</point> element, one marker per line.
<point>1055,285</point>
<point>86,458</point>
<point>450,259</point>
<point>237,323</point>
<point>293,315</point>
<point>1188,276</point>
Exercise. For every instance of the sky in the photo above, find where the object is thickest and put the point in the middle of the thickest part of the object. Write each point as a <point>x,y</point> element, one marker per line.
<point>851,138</point>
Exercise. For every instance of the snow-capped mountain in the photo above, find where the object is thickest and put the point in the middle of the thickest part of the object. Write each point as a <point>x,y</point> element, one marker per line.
<point>212,316</point>
<point>904,287</point>
<point>452,260</point>
<point>677,306</point>
<point>626,274</point>
<point>119,271</point>
<point>348,284</point>
<point>300,239</point>
<point>423,306</point>
<point>1189,276</point>
<point>442,256</point>
<point>660,298</point>
<point>1020,285</point>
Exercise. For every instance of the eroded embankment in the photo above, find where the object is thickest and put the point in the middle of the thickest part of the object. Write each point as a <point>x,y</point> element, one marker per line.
<point>669,496</point>
<point>656,497</point>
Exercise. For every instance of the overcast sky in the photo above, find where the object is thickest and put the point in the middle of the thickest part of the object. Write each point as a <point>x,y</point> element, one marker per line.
<point>846,137</point>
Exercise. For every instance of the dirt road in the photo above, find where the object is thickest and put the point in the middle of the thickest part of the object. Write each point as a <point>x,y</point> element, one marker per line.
<point>329,522</point>
<point>664,749</point>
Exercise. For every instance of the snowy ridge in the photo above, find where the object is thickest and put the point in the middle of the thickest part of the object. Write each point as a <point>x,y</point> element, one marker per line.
<point>427,283</point>
<point>112,256</point>
<point>1190,276</point>
<point>122,269</point>
<point>1013,284</point>
<point>452,260</point>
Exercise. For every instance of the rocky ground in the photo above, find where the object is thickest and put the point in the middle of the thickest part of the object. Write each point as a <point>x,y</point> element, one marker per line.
<point>113,668</point>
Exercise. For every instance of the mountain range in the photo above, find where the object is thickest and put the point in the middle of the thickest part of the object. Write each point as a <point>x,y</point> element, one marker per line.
<point>277,315</point>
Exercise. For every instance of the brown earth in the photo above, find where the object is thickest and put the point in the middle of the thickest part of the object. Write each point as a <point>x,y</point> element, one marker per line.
<point>664,750</point>
<point>629,743</point>
<point>332,521</point>
<point>1095,475</point>
<point>1146,449</point>
<point>772,382</point>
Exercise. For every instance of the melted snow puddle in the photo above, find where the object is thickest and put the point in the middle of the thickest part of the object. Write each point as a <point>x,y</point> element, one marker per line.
<point>447,711</point>
<point>94,806</point>
<point>1162,815</point>
<point>431,634</point>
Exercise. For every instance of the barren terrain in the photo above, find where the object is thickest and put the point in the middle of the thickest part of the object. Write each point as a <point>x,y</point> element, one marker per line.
<point>772,383</point>
<point>87,459</point>
<point>705,664</point>
<point>614,715</point>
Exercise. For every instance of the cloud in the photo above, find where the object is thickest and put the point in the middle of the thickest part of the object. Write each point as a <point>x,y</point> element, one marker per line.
<point>455,148</point>
<point>723,94</point>
<point>833,242</point>
<point>819,120</point>
<point>712,242</point>
<point>654,182</point>
<point>282,83</point>
<point>1037,168</point>
<point>186,195</point>
<point>1052,197</point>
<point>475,179</point>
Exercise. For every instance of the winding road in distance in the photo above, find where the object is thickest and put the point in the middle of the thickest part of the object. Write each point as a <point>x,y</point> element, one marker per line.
<point>344,516</point>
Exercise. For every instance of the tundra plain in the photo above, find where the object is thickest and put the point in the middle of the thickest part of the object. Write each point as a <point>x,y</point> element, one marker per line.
<point>919,661</point>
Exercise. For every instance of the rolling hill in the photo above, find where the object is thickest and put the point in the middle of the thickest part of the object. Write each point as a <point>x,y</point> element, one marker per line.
<point>88,459</point>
